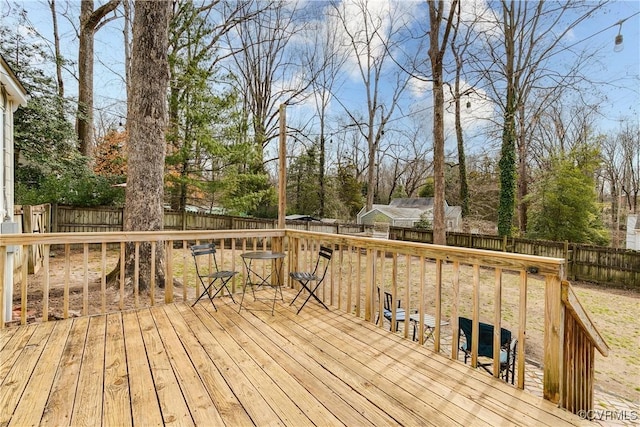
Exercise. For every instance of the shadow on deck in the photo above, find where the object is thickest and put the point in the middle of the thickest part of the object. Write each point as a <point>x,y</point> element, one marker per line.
<point>194,366</point>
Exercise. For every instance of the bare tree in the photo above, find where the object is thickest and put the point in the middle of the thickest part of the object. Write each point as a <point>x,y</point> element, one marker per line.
<point>630,143</point>
<point>90,21</point>
<point>371,36</point>
<point>437,47</point>
<point>326,59</point>
<point>57,52</point>
<point>265,68</point>
<point>516,67</point>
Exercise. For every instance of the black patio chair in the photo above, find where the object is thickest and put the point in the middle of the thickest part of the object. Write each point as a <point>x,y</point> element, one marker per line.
<point>386,310</point>
<point>211,274</point>
<point>485,347</point>
<point>317,275</point>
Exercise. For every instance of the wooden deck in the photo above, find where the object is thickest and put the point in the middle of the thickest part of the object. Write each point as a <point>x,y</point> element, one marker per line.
<point>176,365</point>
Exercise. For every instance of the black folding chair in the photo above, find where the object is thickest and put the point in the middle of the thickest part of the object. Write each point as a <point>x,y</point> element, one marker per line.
<point>485,347</point>
<point>212,275</point>
<point>317,275</point>
<point>388,314</point>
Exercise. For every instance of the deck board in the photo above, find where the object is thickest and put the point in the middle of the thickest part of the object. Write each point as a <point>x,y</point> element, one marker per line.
<point>61,399</point>
<point>338,397</point>
<point>144,405</point>
<point>34,398</point>
<point>117,411</point>
<point>178,365</point>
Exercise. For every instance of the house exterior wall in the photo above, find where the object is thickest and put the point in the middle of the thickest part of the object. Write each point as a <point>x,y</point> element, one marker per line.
<point>12,95</point>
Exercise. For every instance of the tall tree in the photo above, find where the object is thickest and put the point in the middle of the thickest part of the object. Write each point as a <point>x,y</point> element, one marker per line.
<point>266,70</point>
<point>58,53</point>
<point>372,31</point>
<point>523,82</point>
<point>90,21</point>
<point>326,59</point>
<point>199,112</point>
<point>147,125</point>
<point>438,42</point>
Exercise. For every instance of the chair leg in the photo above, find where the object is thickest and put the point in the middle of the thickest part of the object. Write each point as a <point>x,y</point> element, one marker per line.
<point>302,287</point>
<point>223,285</point>
<point>206,291</point>
<point>312,294</point>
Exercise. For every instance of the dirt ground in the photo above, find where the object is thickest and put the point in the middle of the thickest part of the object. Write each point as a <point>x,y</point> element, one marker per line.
<point>615,312</point>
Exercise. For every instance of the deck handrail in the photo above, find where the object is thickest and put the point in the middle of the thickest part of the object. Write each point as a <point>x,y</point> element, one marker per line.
<point>580,339</point>
<point>363,263</point>
<point>574,307</point>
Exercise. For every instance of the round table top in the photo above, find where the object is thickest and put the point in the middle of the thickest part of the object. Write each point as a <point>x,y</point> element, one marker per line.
<point>263,255</point>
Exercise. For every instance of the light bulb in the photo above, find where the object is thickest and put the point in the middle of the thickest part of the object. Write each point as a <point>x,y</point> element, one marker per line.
<point>618,44</point>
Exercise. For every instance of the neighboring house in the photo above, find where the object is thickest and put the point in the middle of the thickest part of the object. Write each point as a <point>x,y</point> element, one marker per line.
<point>13,95</point>
<point>407,212</point>
<point>633,232</point>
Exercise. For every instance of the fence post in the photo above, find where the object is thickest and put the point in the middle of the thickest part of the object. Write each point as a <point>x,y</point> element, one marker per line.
<point>27,227</point>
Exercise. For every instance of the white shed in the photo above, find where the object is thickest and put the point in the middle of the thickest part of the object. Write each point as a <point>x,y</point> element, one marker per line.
<point>407,212</point>
<point>13,95</point>
<point>633,232</point>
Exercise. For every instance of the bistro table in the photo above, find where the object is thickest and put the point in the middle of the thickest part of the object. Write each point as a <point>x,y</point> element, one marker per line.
<point>429,323</point>
<point>255,278</point>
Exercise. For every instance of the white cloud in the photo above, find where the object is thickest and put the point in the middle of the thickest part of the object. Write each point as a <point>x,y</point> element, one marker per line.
<point>419,87</point>
<point>365,27</point>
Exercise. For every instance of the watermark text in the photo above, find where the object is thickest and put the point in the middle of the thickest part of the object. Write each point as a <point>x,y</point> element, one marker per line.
<point>608,415</point>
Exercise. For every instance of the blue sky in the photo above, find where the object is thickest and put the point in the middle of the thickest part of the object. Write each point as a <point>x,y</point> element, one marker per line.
<point>621,70</point>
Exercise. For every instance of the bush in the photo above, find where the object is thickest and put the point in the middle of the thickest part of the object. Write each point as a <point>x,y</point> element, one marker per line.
<point>84,190</point>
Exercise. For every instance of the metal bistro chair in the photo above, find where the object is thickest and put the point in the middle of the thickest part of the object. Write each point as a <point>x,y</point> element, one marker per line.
<point>317,275</point>
<point>387,311</point>
<point>213,275</point>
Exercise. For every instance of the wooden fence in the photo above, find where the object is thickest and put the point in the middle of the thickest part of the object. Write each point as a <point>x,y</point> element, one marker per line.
<point>603,265</point>
<point>31,219</point>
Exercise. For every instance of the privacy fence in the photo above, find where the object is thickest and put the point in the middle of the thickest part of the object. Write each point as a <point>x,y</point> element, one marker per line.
<point>602,265</point>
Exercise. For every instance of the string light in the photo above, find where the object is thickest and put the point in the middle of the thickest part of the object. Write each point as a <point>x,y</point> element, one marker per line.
<point>618,46</point>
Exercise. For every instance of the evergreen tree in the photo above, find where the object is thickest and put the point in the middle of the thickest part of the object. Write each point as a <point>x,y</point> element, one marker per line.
<point>303,188</point>
<point>564,201</point>
<point>48,168</point>
<point>349,189</point>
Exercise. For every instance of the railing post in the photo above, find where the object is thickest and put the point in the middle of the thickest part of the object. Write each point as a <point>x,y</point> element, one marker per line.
<point>3,264</point>
<point>370,278</point>
<point>553,339</point>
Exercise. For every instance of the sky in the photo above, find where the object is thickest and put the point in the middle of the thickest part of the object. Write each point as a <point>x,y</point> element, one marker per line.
<point>620,70</point>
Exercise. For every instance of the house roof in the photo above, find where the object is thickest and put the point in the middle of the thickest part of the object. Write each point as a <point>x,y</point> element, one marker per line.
<point>410,209</point>
<point>415,202</point>
<point>14,88</point>
<point>397,213</point>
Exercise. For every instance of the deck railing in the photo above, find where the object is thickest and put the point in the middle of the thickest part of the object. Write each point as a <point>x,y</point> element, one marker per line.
<point>440,281</point>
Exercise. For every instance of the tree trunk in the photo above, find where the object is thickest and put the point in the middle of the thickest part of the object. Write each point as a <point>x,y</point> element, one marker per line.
<point>84,117</point>
<point>462,161</point>
<point>523,175</point>
<point>89,23</point>
<point>436,57</point>
<point>58,54</point>
<point>507,163</point>
<point>147,124</point>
